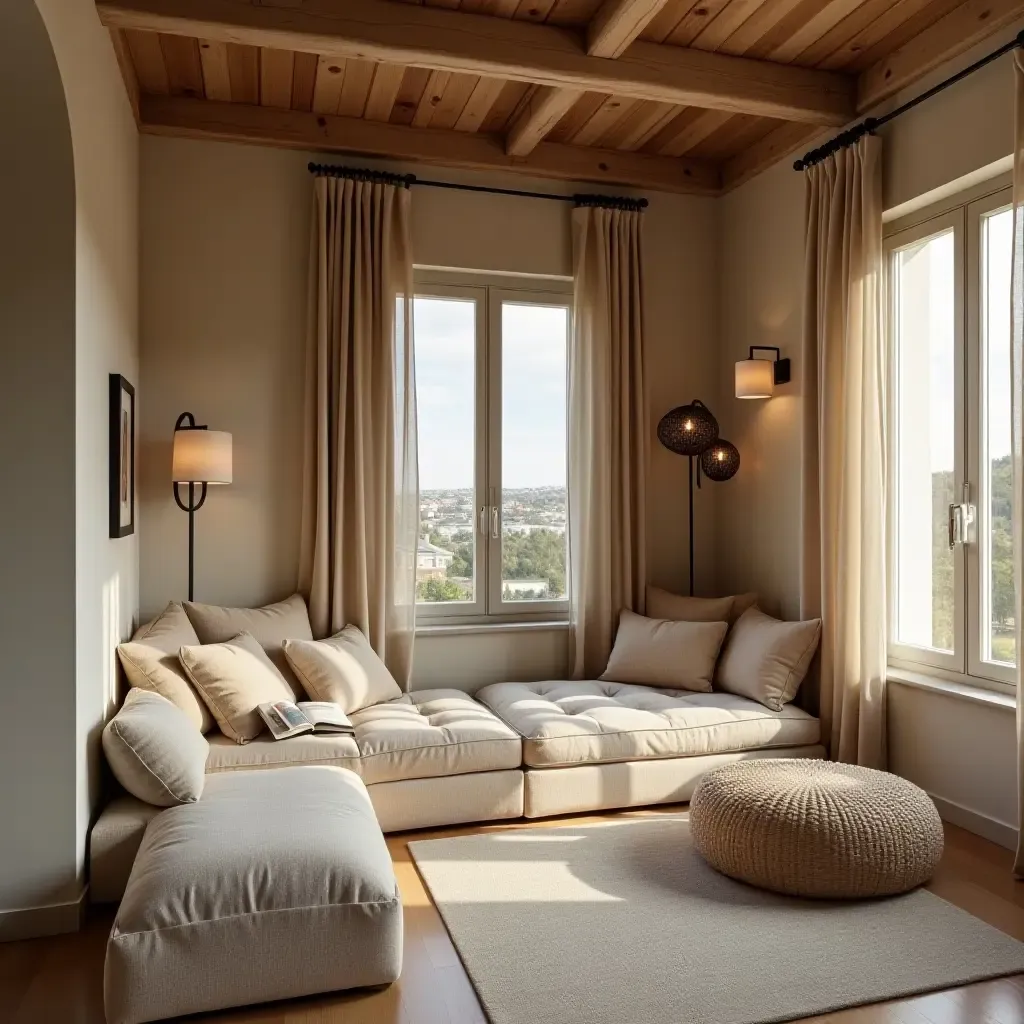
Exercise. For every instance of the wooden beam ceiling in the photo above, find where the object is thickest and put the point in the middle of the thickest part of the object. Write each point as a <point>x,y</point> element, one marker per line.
<point>452,41</point>
<point>238,122</point>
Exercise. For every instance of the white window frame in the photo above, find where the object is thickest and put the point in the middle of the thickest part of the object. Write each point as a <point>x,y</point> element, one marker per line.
<point>489,291</point>
<point>963,214</point>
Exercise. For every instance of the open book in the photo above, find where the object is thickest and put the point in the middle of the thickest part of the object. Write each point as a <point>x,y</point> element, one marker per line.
<point>285,719</point>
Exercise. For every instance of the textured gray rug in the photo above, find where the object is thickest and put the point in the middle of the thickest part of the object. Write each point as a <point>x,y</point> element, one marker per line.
<point>625,924</point>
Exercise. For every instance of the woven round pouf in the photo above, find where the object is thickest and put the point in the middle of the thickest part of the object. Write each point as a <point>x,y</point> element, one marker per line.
<point>816,828</point>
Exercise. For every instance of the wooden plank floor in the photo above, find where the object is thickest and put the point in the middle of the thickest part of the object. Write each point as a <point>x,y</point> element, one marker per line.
<point>60,980</point>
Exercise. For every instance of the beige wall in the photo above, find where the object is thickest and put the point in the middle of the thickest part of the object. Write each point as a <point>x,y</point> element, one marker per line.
<point>935,739</point>
<point>37,465</point>
<point>224,252</point>
<point>106,148</point>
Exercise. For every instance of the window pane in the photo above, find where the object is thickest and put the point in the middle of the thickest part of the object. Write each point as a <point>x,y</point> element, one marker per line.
<point>925,449</point>
<point>445,333</point>
<point>995,504</point>
<point>533,451</point>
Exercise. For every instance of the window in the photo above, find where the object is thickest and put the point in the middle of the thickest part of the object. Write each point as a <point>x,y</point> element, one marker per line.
<point>492,404</point>
<point>950,549</point>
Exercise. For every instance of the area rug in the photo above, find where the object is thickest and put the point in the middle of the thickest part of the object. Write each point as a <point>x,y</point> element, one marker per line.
<point>624,923</point>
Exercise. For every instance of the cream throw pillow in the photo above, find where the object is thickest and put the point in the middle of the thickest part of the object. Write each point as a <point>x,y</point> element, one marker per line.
<point>270,625</point>
<point>344,669</point>
<point>155,751</point>
<point>766,659</point>
<point>150,662</point>
<point>657,652</point>
<point>234,678</point>
<point>664,605</point>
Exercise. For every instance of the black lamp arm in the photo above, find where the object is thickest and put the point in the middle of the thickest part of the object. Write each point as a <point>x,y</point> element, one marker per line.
<point>190,507</point>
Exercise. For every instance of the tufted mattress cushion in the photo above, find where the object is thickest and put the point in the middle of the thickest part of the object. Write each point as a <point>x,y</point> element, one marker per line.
<point>428,733</point>
<point>333,751</point>
<point>567,723</point>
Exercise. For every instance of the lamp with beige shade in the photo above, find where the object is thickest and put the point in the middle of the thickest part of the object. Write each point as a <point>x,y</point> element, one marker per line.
<point>200,456</point>
<point>756,378</point>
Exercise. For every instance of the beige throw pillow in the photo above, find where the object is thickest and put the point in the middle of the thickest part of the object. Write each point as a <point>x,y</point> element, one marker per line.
<point>271,625</point>
<point>657,652</point>
<point>661,604</point>
<point>344,669</point>
<point>150,662</point>
<point>766,659</point>
<point>234,678</point>
<point>155,751</point>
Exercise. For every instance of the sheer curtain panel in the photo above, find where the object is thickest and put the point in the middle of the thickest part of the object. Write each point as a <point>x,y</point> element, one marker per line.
<point>843,571</point>
<point>607,432</point>
<point>360,505</point>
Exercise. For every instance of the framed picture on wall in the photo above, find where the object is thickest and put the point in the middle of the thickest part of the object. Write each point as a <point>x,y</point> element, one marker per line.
<point>122,457</point>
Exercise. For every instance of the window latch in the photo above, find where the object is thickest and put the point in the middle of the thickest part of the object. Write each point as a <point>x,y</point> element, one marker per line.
<point>961,519</point>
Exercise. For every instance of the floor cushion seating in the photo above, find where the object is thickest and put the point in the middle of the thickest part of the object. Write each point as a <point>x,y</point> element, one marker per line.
<point>816,828</point>
<point>286,869</point>
<point>574,723</point>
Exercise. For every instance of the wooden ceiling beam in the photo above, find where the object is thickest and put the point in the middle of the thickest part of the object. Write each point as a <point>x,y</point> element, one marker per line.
<point>453,41</point>
<point>236,122</point>
<point>965,26</point>
<point>618,23</point>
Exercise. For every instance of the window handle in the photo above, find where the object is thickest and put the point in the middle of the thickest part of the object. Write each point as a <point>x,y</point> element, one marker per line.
<point>494,522</point>
<point>482,520</point>
<point>961,519</point>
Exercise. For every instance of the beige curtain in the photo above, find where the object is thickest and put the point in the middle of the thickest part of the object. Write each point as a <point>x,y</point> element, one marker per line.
<point>843,571</point>
<point>607,433</point>
<point>1017,416</point>
<point>360,502</point>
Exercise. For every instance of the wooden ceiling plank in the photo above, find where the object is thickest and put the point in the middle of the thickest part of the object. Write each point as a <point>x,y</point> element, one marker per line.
<point>184,68</point>
<point>512,95</point>
<point>901,22</point>
<point>244,73</point>
<point>813,29</point>
<point>126,66</point>
<point>304,81</point>
<point>475,44</point>
<point>576,13</point>
<point>664,23</point>
<point>965,26</point>
<point>276,70</point>
<point>148,60</point>
<point>639,126</point>
<point>213,57</point>
<point>453,101</point>
<point>695,132</point>
<point>544,110</point>
<point>356,88</point>
<point>604,118</point>
<point>866,14</point>
<point>752,160</point>
<point>695,22</point>
<point>766,18</point>
<point>387,80</point>
<point>535,10</point>
<point>413,84</point>
<point>617,23</point>
<point>485,94</point>
<point>330,76</point>
<point>737,134</point>
<point>309,131</point>
<point>726,24</point>
<point>436,85</point>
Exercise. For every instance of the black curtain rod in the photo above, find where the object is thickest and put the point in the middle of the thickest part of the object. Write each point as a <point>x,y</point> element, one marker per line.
<point>408,180</point>
<point>870,125</point>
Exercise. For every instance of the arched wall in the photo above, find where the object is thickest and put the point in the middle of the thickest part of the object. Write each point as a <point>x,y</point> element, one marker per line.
<point>37,471</point>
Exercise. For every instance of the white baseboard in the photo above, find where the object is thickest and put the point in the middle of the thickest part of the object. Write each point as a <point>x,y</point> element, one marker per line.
<point>36,922</point>
<point>980,824</point>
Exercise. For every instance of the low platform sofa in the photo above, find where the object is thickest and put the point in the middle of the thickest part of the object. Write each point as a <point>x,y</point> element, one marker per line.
<point>443,757</point>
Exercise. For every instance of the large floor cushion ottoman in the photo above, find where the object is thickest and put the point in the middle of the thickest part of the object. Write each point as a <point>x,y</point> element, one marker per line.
<point>816,828</point>
<point>273,885</point>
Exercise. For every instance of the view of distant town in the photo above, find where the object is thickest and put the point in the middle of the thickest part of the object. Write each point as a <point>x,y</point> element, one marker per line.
<point>533,524</point>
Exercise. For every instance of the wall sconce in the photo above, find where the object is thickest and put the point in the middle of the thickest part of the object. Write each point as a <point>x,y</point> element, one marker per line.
<point>756,378</point>
<point>200,456</point>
